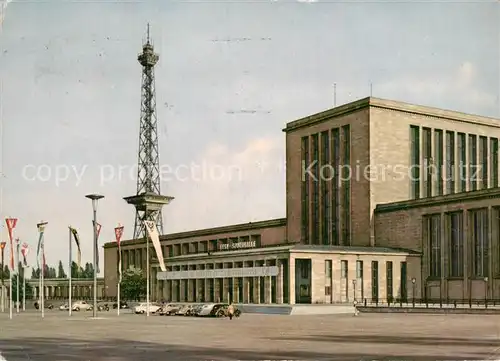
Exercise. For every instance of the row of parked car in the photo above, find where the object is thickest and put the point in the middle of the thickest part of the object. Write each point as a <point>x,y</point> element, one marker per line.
<point>177,309</point>
<point>85,306</point>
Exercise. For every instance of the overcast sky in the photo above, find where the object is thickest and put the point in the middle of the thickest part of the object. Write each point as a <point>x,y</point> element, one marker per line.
<point>71,97</point>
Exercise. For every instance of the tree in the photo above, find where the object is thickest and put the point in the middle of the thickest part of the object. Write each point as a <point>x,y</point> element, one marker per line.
<point>75,270</point>
<point>60,271</point>
<point>49,272</point>
<point>133,285</point>
<point>88,272</point>
<point>5,273</point>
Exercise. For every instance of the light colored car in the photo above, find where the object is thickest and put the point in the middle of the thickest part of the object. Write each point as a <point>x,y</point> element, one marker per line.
<point>81,306</point>
<point>206,309</point>
<point>142,307</point>
<point>64,307</point>
<point>169,309</point>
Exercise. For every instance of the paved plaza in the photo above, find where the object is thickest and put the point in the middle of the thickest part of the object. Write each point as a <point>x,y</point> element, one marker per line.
<point>252,337</point>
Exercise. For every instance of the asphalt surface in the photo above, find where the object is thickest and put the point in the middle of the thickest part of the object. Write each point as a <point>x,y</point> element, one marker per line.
<point>130,337</point>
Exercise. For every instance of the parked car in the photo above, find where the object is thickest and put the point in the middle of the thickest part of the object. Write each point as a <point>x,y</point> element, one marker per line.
<point>194,310</point>
<point>198,309</point>
<point>103,307</point>
<point>213,310</point>
<point>169,309</point>
<point>64,307</point>
<point>81,306</point>
<point>142,307</point>
<point>46,305</point>
<point>123,304</point>
<point>223,312</point>
<point>183,310</point>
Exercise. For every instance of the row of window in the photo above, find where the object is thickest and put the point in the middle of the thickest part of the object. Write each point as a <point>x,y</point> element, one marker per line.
<point>344,271</point>
<point>325,193</point>
<point>137,256</point>
<point>451,248</point>
<point>447,162</point>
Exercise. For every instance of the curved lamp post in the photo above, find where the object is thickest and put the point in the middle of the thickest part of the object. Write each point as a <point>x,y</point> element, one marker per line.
<point>485,292</point>
<point>95,198</point>
<point>413,281</point>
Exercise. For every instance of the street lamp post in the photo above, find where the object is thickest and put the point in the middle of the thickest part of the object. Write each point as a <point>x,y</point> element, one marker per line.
<point>413,281</point>
<point>485,292</point>
<point>95,198</point>
<point>354,288</point>
<point>2,301</point>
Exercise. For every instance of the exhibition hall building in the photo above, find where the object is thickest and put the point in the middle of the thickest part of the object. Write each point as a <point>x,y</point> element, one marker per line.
<point>385,201</point>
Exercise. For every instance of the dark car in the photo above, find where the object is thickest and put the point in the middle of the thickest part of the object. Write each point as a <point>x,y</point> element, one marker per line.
<point>216,310</point>
<point>47,305</point>
<point>123,304</point>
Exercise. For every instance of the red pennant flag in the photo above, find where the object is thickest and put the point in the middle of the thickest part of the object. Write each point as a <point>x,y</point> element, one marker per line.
<point>98,229</point>
<point>11,224</point>
<point>118,234</point>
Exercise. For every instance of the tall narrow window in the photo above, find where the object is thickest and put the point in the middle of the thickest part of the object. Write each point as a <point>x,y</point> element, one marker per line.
<point>375,280</point>
<point>346,186</point>
<point>462,162</point>
<point>479,223</point>
<point>438,149</point>
<point>428,161</point>
<point>359,269</point>
<point>473,168</point>
<point>305,190</point>
<point>415,161</point>
<point>483,163</point>
<point>336,187</point>
<point>433,230</point>
<point>450,162</point>
<point>494,162</point>
<point>456,242</point>
<point>389,280</point>
<point>328,269</point>
<point>403,281</point>
<point>325,197</point>
<point>344,269</point>
<point>315,189</point>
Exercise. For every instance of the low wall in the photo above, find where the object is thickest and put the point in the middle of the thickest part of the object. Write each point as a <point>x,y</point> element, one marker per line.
<point>296,310</point>
<point>431,310</point>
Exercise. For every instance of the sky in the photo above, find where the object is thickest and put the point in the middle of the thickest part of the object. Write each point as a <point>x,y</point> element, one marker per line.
<point>231,74</point>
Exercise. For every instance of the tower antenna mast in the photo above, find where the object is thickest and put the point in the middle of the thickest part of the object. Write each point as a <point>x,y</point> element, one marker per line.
<point>148,200</point>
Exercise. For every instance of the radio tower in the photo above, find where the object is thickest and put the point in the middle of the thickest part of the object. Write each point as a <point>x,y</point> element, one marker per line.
<point>148,201</point>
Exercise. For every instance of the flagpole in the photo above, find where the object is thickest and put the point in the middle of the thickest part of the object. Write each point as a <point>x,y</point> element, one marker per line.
<point>17,277</point>
<point>24,289</point>
<point>70,304</point>
<point>10,295</point>
<point>118,236</point>
<point>40,281</point>
<point>41,229</point>
<point>42,290</point>
<point>119,280</point>
<point>147,275</point>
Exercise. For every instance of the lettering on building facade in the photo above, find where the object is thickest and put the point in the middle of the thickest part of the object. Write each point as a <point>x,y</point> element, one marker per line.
<point>219,273</point>
<point>237,245</point>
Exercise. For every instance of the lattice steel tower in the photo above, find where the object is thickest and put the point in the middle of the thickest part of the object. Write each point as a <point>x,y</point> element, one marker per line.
<point>148,201</point>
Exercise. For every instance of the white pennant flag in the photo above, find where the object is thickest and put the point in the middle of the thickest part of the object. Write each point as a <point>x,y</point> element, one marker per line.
<point>155,238</point>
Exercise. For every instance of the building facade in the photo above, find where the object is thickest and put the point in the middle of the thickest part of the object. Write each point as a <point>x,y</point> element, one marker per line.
<point>58,288</point>
<point>356,178</point>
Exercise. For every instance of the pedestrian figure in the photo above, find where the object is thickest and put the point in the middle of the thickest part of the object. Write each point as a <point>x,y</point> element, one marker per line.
<point>230,311</point>
<point>355,304</point>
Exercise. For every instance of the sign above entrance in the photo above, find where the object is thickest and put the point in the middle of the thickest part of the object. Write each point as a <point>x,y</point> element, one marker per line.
<point>219,273</point>
<point>237,245</point>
